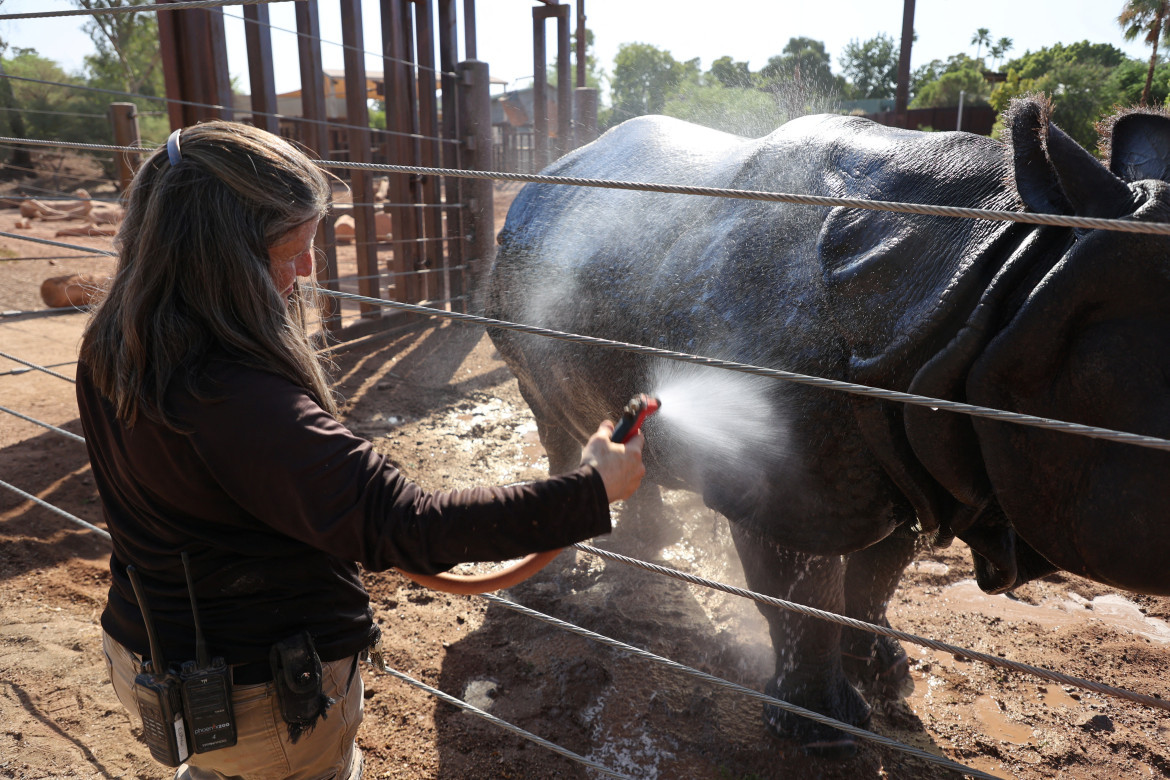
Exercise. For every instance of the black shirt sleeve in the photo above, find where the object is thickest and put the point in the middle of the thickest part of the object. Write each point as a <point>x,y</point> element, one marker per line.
<point>290,464</point>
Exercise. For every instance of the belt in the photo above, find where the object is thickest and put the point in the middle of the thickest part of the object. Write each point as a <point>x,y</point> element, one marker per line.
<point>252,674</point>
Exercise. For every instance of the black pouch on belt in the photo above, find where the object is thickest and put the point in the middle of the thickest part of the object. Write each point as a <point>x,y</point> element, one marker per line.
<point>296,671</point>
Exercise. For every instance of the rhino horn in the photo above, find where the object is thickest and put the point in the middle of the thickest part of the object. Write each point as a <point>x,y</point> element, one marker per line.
<point>1139,146</point>
<point>1054,174</point>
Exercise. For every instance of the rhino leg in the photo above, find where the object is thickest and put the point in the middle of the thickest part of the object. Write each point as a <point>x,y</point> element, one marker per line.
<point>877,663</point>
<point>808,650</point>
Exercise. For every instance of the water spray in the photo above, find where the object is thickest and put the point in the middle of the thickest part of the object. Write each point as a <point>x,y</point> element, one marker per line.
<point>637,410</point>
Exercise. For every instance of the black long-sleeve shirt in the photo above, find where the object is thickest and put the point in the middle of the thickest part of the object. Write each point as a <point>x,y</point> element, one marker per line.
<point>274,500</point>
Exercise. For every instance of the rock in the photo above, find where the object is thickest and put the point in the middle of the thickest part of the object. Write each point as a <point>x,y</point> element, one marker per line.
<point>59,292</point>
<point>1095,723</point>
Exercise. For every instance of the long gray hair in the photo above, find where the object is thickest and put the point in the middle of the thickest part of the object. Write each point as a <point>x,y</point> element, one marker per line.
<point>194,272</point>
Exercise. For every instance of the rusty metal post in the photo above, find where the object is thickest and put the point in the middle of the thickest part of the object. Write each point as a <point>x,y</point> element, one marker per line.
<point>194,56</point>
<point>581,37</point>
<point>564,81</point>
<point>564,107</point>
<point>469,28</point>
<point>475,112</point>
<point>452,156</point>
<point>429,154</point>
<point>315,136</point>
<point>357,117</point>
<point>584,115</point>
<point>902,95</point>
<point>258,38</point>
<point>124,120</point>
<point>539,90</point>
<point>398,80</point>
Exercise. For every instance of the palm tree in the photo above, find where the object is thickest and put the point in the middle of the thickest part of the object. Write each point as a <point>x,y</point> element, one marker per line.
<point>982,36</point>
<point>999,50</point>
<point>1149,17</point>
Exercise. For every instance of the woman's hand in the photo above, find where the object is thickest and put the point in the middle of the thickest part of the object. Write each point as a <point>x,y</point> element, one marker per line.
<point>620,465</point>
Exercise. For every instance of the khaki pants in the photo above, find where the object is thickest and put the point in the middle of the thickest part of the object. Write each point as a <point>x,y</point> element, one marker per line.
<point>263,750</point>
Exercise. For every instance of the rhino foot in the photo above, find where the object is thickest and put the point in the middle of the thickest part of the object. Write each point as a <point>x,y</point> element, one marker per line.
<point>876,664</point>
<point>814,739</point>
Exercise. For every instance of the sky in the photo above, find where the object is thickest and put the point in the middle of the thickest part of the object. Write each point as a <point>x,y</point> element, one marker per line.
<point>746,30</point>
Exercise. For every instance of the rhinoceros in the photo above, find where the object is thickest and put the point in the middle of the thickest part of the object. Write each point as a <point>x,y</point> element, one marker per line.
<point>1062,323</point>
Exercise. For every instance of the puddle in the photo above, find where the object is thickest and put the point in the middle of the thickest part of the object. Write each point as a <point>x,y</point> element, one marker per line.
<point>1112,610</point>
<point>997,725</point>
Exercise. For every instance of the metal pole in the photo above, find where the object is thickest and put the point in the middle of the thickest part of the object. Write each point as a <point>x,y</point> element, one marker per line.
<point>539,90</point>
<point>258,40</point>
<point>581,55</point>
<point>902,96</point>
<point>959,123</point>
<point>564,82</point>
<point>475,111</point>
<point>124,120</point>
<point>315,136</point>
<point>357,116</point>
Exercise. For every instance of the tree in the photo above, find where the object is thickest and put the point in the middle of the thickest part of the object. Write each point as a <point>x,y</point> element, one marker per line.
<point>981,37</point>
<point>1149,17</point>
<point>959,73</point>
<point>128,57</point>
<point>801,78</point>
<point>21,160</point>
<point>744,111</point>
<point>643,76</point>
<point>1000,49</point>
<point>730,73</point>
<point>1083,80</point>
<point>871,66</point>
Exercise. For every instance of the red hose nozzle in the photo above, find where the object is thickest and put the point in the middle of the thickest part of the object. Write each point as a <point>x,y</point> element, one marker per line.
<point>637,410</point>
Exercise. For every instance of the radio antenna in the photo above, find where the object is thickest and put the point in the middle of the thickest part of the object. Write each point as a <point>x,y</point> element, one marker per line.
<point>157,662</point>
<point>201,656</point>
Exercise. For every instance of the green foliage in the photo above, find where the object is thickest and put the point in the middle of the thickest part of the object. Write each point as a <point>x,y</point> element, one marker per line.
<point>49,111</point>
<point>1034,65</point>
<point>1128,80</point>
<point>1081,94</point>
<point>938,84</point>
<point>871,67</point>
<point>643,78</point>
<point>804,65</point>
<point>732,74</point>
<point>746,112</point>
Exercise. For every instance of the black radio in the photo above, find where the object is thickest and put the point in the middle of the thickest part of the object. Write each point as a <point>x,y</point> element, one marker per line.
<point>207,690</point>
<point>158,693</point>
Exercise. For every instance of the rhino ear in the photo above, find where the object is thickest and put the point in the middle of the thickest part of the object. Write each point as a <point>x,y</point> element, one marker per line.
<point>1139,147</point>
<point>1054,174</point>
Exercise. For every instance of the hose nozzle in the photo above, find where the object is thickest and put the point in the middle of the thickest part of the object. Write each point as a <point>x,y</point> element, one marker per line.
<point>637,410</point>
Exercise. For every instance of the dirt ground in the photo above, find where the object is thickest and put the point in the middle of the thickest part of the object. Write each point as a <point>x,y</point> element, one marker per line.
<point>440,403</point>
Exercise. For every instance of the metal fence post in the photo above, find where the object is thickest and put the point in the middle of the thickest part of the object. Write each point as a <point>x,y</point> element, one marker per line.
<point>124,120</point>
<point>475,112</point>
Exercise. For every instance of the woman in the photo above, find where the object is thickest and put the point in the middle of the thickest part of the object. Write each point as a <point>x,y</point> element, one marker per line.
<point>212,431</point>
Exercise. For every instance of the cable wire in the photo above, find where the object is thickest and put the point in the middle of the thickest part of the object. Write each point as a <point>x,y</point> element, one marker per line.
<point>993,660</point>
<point>61,244</point>
<point>1000,415</point>
<point>935,404</point>
<point>922,209</point>
<point>34,366</point>
<point>34,421</point>
<point>72,518</point>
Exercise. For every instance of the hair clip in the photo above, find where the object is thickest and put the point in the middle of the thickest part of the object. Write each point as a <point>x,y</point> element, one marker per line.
<point>173,152</point>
